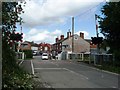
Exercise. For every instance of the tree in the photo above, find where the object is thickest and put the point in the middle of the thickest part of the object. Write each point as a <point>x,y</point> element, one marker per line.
<point>110,27</point>
<point>13,77</point>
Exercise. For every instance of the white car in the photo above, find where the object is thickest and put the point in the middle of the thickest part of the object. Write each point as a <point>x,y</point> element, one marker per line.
<point>44,56</point>
<point>34,53</point>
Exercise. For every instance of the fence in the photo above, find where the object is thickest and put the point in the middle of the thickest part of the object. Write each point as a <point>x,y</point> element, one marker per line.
<point>102,58</point>
<point>96,59</point>
<point>20,55</point>
<point>75,56</point>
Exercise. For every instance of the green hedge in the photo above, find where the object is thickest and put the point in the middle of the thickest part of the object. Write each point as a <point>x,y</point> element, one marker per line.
<point>13,77</point>
<point>28,53</point>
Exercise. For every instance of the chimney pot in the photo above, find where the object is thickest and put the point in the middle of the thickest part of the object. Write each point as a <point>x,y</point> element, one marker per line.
<point>62,37</point>
<point>82,35</point>
<point>56,39</point>
<point>68,34</point>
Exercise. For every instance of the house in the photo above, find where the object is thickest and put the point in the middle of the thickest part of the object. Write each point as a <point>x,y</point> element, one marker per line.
<point>26,45</point>
<point>64,45</point>
<point>44,47</point>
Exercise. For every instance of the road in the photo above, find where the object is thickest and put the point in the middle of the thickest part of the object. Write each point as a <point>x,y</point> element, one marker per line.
<point>66,74</point>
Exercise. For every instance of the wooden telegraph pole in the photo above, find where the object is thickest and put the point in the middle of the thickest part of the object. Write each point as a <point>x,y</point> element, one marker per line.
<point>72,34</point>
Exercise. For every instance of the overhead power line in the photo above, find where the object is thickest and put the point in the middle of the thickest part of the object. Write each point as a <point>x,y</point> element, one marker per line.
<point>89,10</point>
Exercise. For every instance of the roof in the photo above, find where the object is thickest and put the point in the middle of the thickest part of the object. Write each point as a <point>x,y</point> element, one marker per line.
<point>65,39</point>
<point>45,44</point>
<point>31,43</point>
<point>88,40</point>
<point>61,40</point>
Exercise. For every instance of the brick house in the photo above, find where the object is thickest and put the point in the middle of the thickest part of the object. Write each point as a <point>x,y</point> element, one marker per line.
<point>44,47</point>
<point>80,45</point>
<point>26,45</point>
<point>65,44</point>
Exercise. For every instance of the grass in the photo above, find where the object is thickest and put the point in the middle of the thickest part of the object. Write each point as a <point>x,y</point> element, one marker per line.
<point>110,68</point>
<point>107,67</point>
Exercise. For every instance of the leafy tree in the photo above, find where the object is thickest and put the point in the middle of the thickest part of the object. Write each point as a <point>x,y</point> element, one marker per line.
<point>13,76</point>
<point>110,27</point>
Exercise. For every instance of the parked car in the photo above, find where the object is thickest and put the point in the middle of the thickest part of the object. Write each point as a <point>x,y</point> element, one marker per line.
<point>34,53</point>
<point>44,56</point>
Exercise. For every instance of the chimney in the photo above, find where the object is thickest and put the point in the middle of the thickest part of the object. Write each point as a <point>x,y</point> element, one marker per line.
<point>56,39</point>
<point>68,34</point>
<point>82,35</point>
<point>61,37</point>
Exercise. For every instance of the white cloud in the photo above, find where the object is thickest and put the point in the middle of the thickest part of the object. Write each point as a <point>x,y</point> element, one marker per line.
<point>37,14</point>
<point>41,35</point>
<point>86,34</point>
<point>56,32</point>
<point>33,31</point>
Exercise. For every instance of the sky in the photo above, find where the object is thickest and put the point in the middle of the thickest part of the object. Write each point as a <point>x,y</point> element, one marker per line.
<point>44,20</point>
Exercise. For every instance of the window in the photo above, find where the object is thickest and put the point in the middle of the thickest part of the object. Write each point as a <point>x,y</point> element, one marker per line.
<point>46,48</point>
<point>75,37</point>
<point>24,45</point>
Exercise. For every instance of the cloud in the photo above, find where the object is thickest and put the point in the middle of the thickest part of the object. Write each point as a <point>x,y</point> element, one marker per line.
<point>33,31</point>
<point>38,36</point>
<point>56,32</point>
<point>86,34</point>
<point>38,13</point>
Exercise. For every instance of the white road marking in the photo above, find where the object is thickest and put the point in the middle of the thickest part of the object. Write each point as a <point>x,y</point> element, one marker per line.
<point>49,68</point>
<point>76,73</point>
<point>21,62</point>
<point>63,69</point>
<point>32,68</point>
<point>114,87</point>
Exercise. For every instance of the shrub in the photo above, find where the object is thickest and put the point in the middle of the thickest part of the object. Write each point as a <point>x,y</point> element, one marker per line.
<point>13,77</point>
<point>28,53</point>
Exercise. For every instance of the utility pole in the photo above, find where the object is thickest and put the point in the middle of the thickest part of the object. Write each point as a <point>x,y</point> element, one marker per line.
<point>72,34</point>
<point>98,46</point>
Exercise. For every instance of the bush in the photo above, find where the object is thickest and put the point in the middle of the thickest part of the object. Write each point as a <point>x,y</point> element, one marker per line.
<point>28,53</point>
<point>17,79</point>
<point>13,77</point>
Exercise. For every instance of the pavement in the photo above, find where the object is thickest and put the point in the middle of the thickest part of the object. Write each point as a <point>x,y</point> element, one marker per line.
<point>66,74</point>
